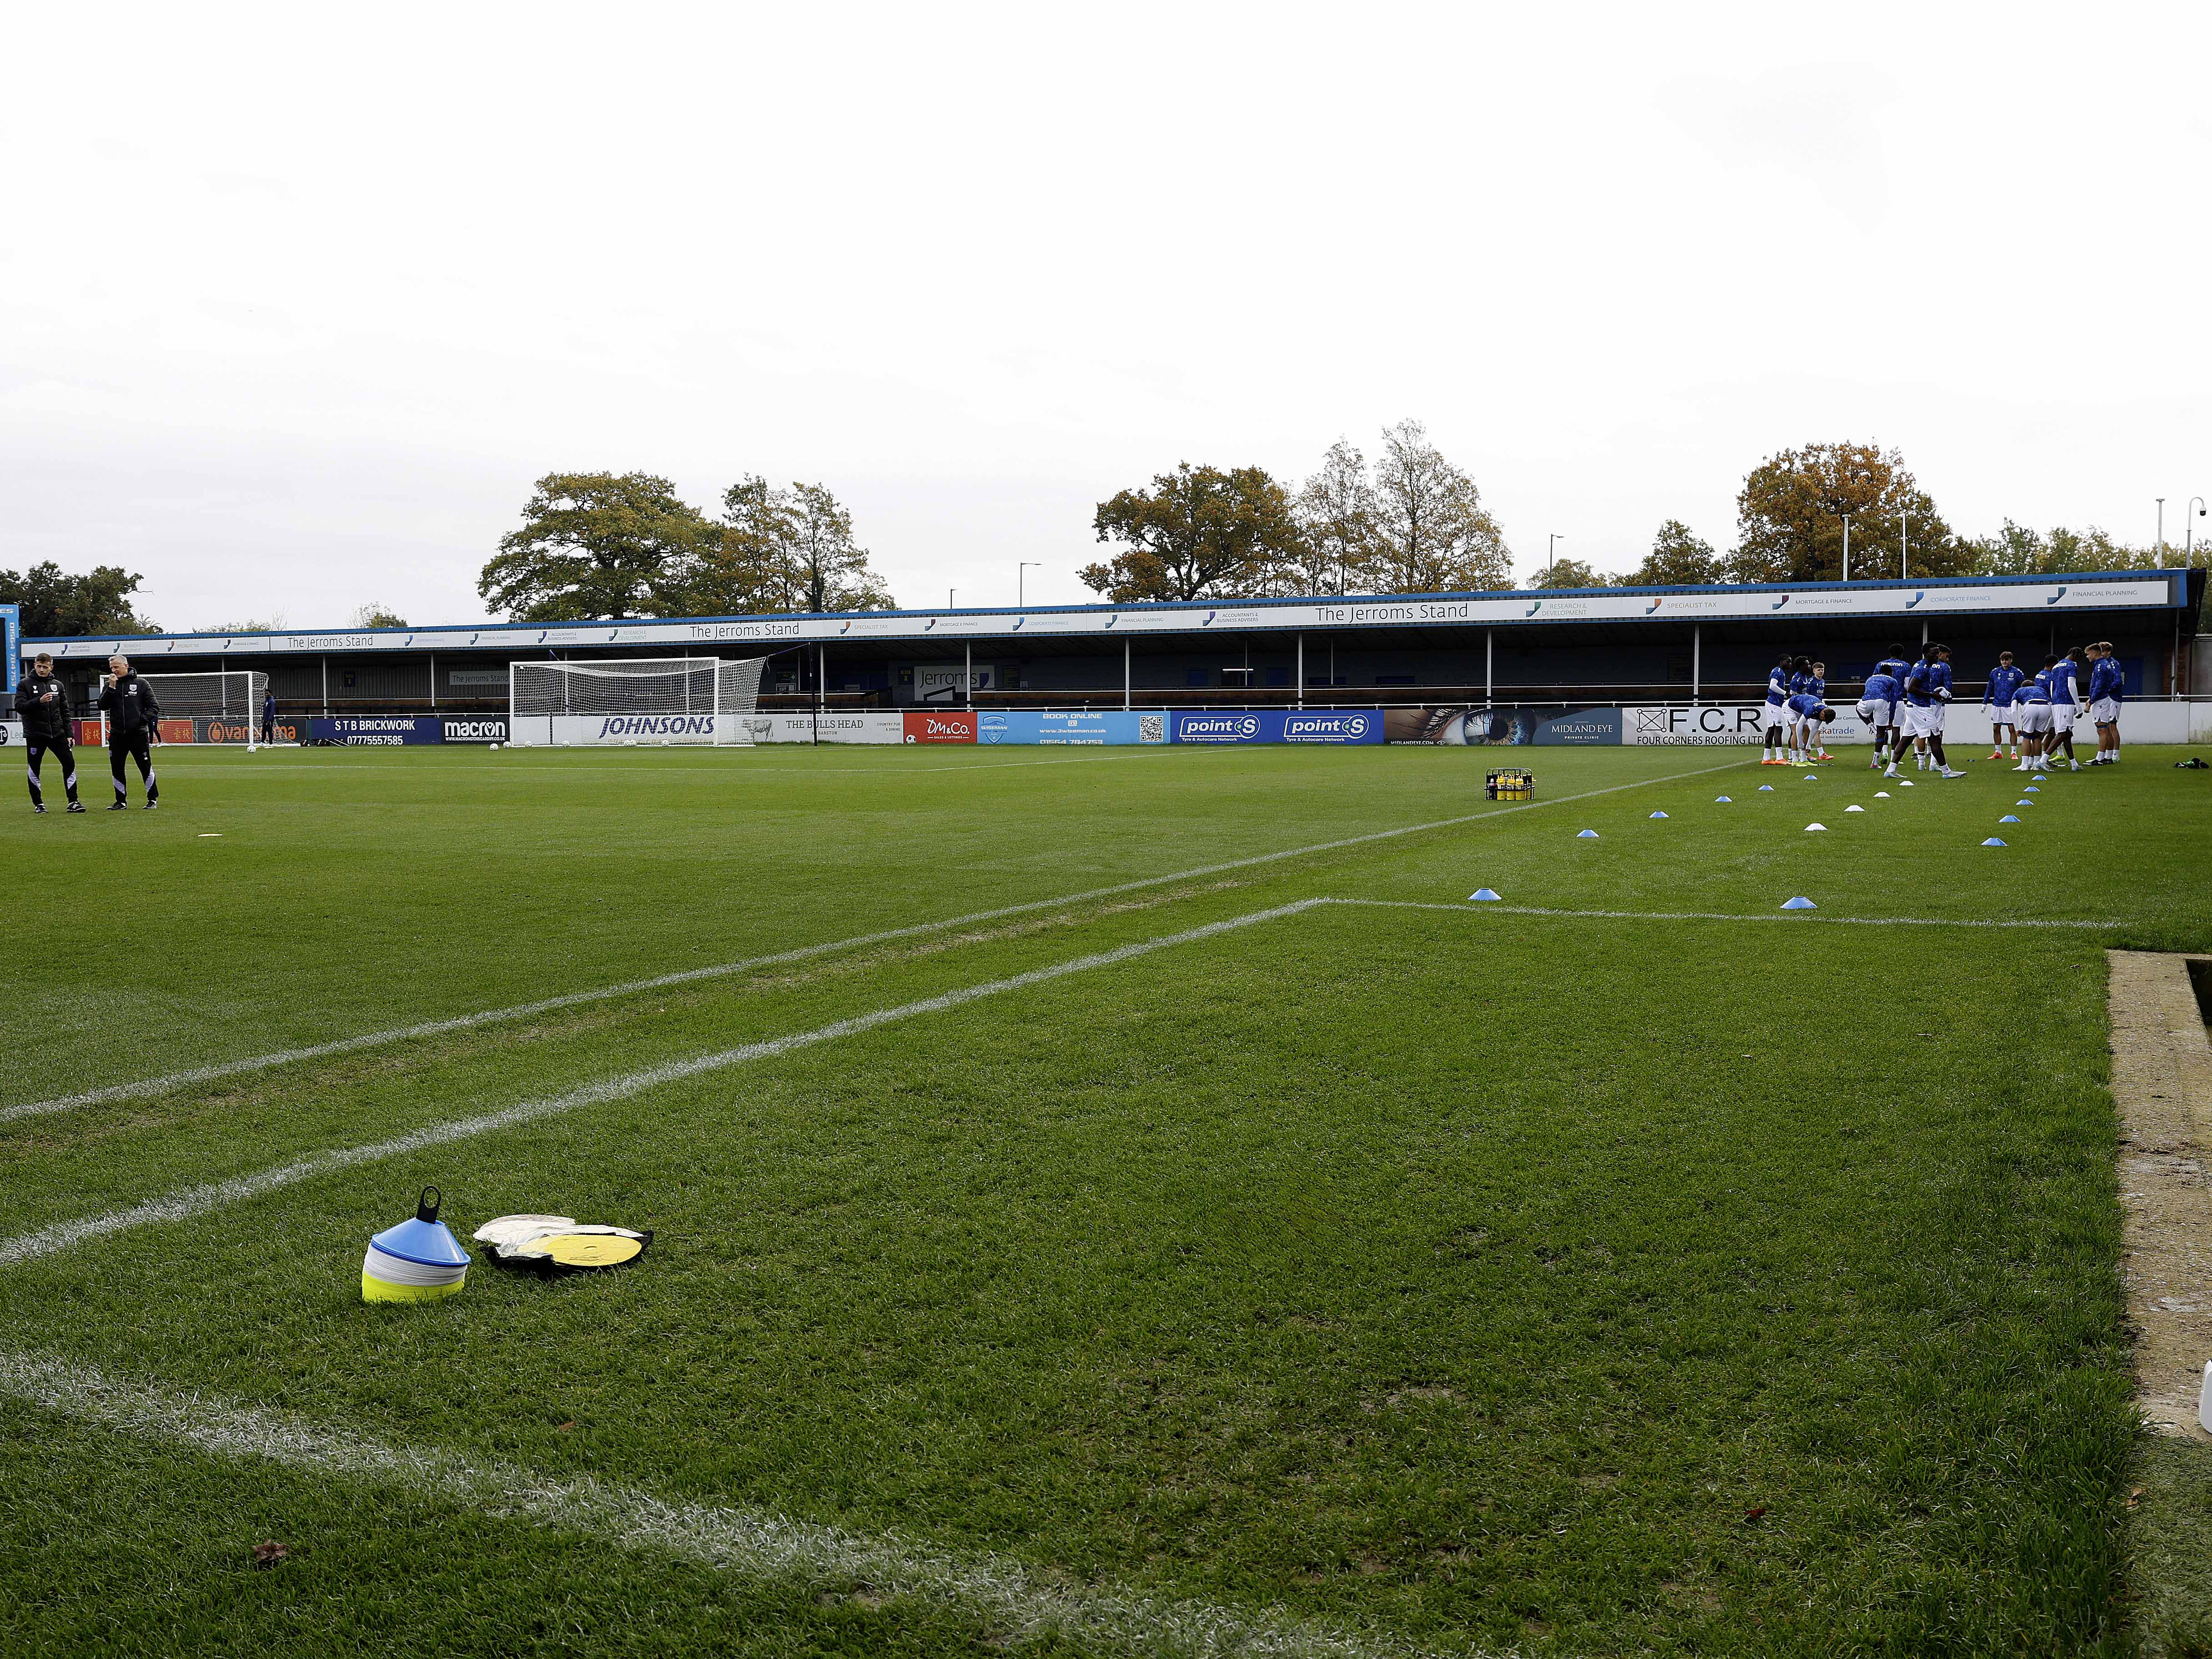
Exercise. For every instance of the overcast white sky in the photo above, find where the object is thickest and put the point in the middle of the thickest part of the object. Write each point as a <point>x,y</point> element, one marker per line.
<point>296,301</point>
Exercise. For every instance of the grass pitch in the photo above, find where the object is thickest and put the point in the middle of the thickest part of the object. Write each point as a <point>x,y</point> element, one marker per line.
<point>1363,1277</point>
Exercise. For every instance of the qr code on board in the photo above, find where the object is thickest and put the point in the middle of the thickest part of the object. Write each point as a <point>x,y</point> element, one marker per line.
<point>1151,728</point>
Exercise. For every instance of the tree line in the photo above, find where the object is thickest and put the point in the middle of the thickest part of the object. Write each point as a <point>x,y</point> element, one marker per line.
<point>624,545</point>
<point>621,545</point>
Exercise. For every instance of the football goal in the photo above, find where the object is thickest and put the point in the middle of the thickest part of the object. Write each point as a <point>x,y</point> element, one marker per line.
<point>221,706</point>
<point>636,700</point>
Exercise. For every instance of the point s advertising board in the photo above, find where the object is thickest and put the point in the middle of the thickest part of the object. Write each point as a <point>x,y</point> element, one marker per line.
<point>1329,725</point>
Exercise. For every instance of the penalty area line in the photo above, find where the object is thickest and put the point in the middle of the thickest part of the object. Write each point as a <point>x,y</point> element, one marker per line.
<point>146,1088</point>
<point>1792,917</point>
<point>217,1194</point>
<point>750,1543</point>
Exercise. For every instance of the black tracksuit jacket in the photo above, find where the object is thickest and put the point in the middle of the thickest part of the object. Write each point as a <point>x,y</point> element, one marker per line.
<point>43,722</point>
<point>131,707</point>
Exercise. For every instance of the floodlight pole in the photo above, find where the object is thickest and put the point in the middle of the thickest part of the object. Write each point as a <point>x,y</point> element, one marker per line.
<point>1026,564</point>
<point>1551,557</point>
<point>1846,518</point>
<point>1904,522</point>
<point>2189,531</point>
<point>2161,532</point>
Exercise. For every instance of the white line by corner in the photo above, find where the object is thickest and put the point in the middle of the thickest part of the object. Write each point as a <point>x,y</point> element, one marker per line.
<point>1789,917</point>
<point>754,1544</point>
<point>216,1194</point>
<point>146,1087</point>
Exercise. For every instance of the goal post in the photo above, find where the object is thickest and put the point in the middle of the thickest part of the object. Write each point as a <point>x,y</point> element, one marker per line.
<point>633,700</point>
<point>223,705</point>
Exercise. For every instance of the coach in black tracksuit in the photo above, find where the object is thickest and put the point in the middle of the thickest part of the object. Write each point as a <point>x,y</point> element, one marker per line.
<point>44,705</point>
<point>132,712</point>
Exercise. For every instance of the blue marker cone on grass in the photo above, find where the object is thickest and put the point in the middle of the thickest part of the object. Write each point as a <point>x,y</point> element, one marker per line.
<point>2009,817</point>
<point>1658,815</point>
<point>1483,894</point>
<point>1765,788</point>
<point>417,1260</point>
<point>1799,904</point>
<point>1586,834</point>
<point>1992,842</point>
<point>1722,800</point>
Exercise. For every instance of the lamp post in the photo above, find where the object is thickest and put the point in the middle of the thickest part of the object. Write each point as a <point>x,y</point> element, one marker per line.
<point>2161,532</point>
<point>1025,565</point>
<point>1551,557</point>
<point>2189,531</point>
<point>1846,518</point>
<point>949,592</point>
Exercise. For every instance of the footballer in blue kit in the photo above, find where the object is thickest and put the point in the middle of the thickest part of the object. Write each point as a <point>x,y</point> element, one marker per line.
<point>2105,680</point>
<point>1877,712</point>
<point>1998,697</point>
<point>2065,705</point>
<point>1926,700</point>
<point>1778,712</point>
<point>2032,705</point>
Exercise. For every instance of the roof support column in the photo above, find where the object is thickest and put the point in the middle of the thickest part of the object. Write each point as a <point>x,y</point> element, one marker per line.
<point>1126,678</point>
<point>1489,663</point>
<point>1302,672</point>
<point>968,673</point>
<point>1697,659</point>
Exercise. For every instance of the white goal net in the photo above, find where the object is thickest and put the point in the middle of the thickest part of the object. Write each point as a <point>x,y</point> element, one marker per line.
<point>223,706</point>
<point>636,700</point>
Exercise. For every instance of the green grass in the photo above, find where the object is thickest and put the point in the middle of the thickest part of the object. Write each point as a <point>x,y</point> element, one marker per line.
<point>1450,1278</point>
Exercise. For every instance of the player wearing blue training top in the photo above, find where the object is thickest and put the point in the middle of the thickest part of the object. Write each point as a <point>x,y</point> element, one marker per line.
<point>1927,700</point>
<point>2065,704</point>
<point>1817,712</point>
<point>1877,712</point>
<point>1997,697</point>
<point>1777,714</point>
<point>1799,706</point>
<point>2105,682</point>
<point>2032,704</point>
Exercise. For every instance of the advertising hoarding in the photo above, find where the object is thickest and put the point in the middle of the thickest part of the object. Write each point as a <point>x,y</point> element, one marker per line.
<point>1328,726</point>
<point>953,725</point>
<point>1082,726</point>
<point>374,731</point>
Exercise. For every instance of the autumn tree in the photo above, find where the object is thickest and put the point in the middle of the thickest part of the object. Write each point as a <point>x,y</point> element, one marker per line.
<point>1433,535</point>
<point>377,615</point>
<point>1337,512</point>
<point>55,605</point>
<point>1678,558</point>
<point>1199,532</point>
<point>1568,573</point>
<point>1789,518</point>
<point>2017,550</point>
<point>593,545</point>
<point>781,549</point>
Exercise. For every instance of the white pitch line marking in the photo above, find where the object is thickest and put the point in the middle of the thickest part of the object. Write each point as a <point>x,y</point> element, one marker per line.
<point>217,1194</point>
<point>1794,916</point>
<point>750,1543</point>
<point>147,1087</point>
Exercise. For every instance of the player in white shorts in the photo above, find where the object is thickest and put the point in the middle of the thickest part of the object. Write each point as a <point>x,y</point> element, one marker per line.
<point>1927,695</point>
<point>2105,679</point>
<point>1998,696</point>
<point>1877,712</point>
<point>2034,709</point>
